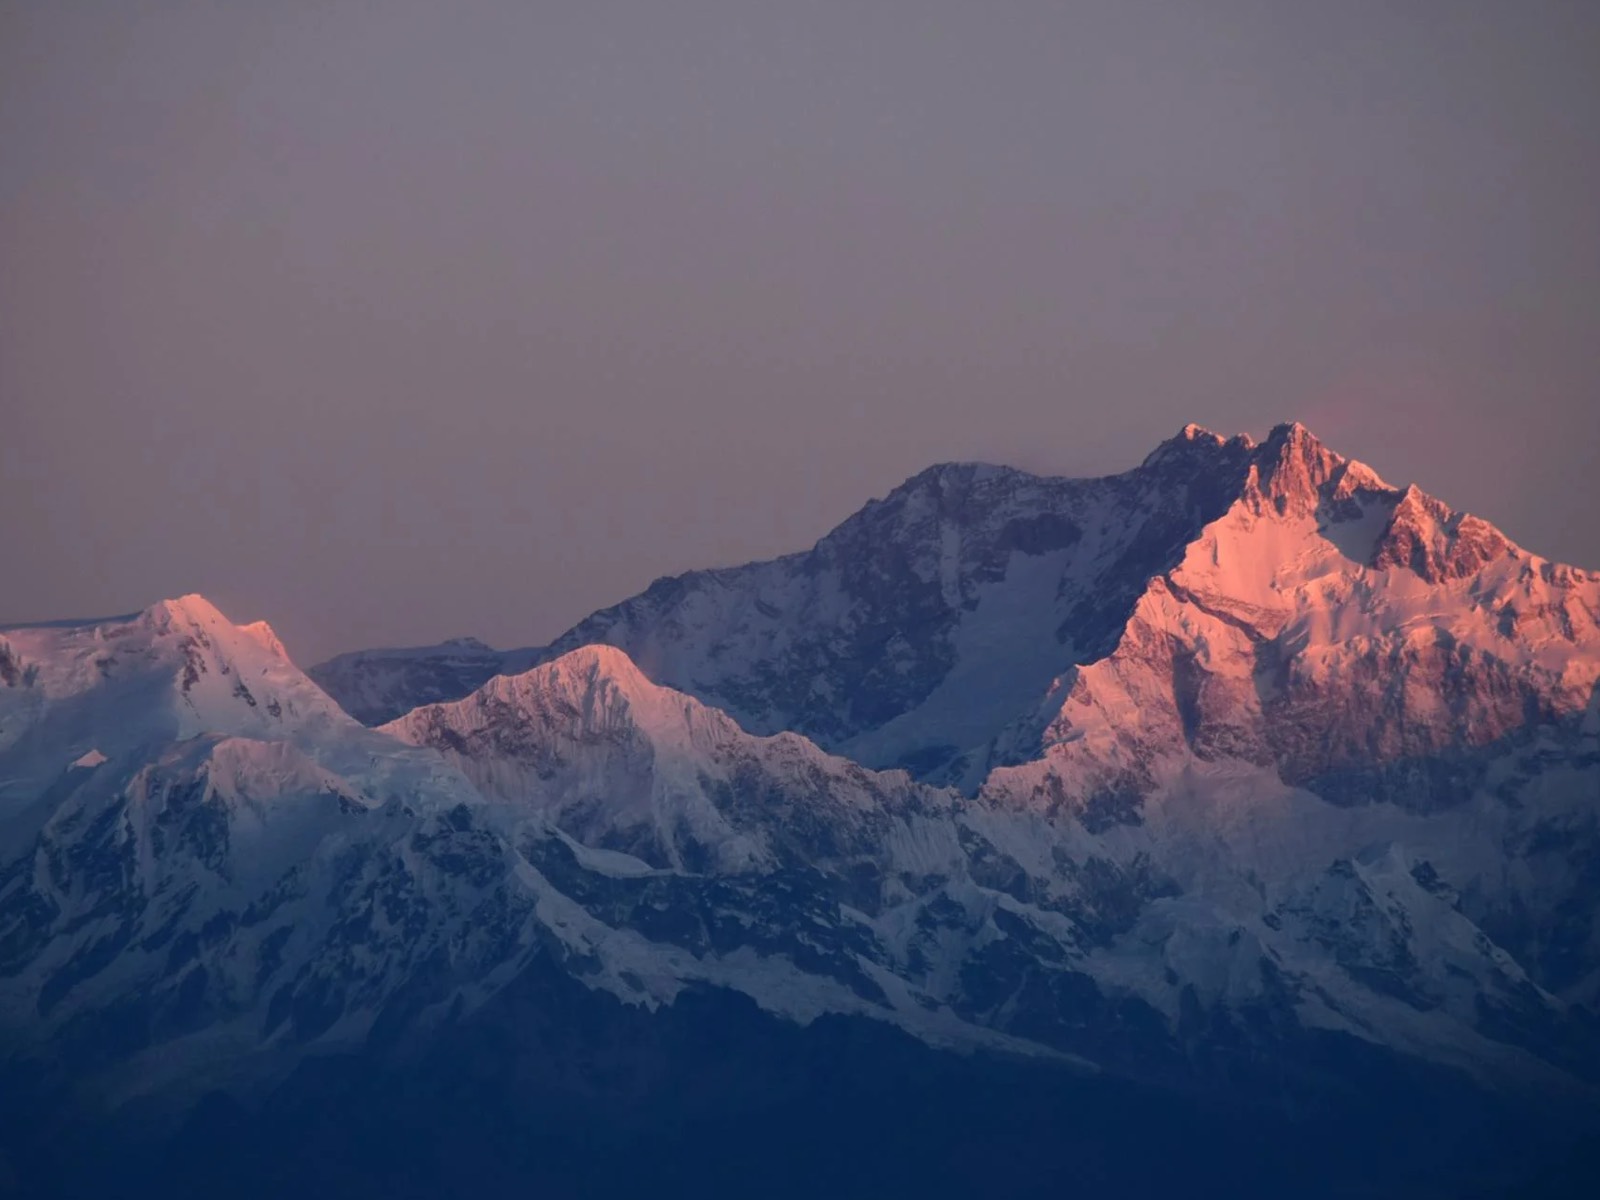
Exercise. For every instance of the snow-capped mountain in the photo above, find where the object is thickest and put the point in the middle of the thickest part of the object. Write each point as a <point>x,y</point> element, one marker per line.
<point>1334,626</point>
<point>186,819</point>
<point>624,764</point>
<point>1219,885</point>
<point>934,629</point>
<point>909,636</point>
<point>1240,771</point>
<point>208,871</point>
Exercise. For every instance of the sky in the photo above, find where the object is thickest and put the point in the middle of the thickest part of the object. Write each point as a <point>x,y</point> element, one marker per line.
<point>391,323</point>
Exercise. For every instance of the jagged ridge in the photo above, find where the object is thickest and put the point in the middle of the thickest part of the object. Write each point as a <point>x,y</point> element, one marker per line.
<point>932,629</point>
<point>1284,752</point>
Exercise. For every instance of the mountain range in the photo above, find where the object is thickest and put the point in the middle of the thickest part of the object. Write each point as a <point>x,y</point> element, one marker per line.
<point>1240,803</point>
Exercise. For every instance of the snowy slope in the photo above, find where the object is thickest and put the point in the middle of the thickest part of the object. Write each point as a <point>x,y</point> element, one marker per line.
<point>939,628</point>
<point>995,911</point>
<point>909,636</point>
<point>1247,748</point>
<point>623,764</point>
<point>111,691</point>
<point>1332,625</point>
<point>208,871</point>
<point>184,817</point>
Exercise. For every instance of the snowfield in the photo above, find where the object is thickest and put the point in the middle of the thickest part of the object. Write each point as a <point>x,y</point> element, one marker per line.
<point>1244,738</point>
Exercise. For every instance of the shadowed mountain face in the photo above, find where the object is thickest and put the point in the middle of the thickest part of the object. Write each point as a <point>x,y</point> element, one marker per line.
<point>1242,791</point>
<point>964,575</point>
<point>935,628</point>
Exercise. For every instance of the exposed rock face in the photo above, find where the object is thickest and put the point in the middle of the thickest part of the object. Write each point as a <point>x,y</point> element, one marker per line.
<point>1214,772</point>
<point>1287,905</point>
<point>1289,635</point>
<point>909,635</point>
<point>935,629</point>
<point>1426,538</point>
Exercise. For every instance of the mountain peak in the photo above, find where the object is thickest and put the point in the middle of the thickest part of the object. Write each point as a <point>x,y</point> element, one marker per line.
<point>598,661</point>
<point>267,637</point>
<point>1291,439</point>
<point>594,692</point>
<point>1427,537</point>
<point>191,608</point>
<point>581,678</point>
<point>946,477</point>
<point>1195,439</point>
<point>1288,439</point>
<point>962,467</point>
<point>1194,433</point>
<point>1292,469</point>
<point>194,614</point>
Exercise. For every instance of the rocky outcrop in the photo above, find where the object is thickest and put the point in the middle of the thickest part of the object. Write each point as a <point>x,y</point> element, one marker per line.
<point>1175,774</point>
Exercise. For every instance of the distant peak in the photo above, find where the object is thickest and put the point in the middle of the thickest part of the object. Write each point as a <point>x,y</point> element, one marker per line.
<point>193,612</point>
<point>192,608</point>
<point>593,683</point>
<point>966,467</point>
<point>194,604</point>
<point>264,634</point>
<point>1194,433</point>
<point>589,664</point>
<point>946,488</point>
<point>1196,440</point>
<point>1358,476</point>
<point>1292,442</point>
<point>945,473</point>
<point>1429,538</point>
<point>599,657</point>
<point>1293,437</point>
<point>1292,468</point>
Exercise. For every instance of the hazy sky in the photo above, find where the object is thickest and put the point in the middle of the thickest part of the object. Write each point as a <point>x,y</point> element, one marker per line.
<point>393,322</point>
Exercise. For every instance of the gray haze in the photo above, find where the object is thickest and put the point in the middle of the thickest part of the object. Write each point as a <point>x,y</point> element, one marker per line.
<point>392,322</point>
